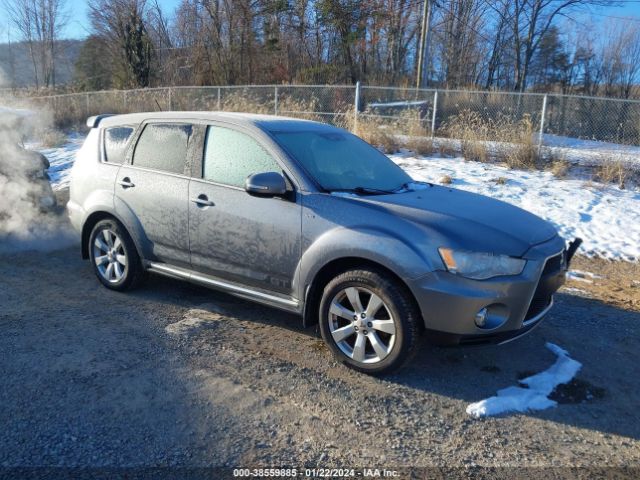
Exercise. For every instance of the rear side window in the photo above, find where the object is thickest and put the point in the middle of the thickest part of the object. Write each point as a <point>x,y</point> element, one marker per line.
<point>163,146</point>
<point>116,140</point>
<point>231,156</point>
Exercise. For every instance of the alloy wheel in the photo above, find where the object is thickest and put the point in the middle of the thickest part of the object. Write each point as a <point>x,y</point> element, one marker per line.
<point>361,325</point>
<point>110,256</point>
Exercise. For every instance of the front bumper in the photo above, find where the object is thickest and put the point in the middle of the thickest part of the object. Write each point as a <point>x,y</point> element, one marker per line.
<point>515,304</point>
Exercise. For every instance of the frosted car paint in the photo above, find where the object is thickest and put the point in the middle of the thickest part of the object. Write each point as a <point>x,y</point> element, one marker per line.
<point>277,265</point>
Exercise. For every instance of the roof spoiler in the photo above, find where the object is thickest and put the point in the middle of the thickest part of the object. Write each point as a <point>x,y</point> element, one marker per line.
<point>92,122</point>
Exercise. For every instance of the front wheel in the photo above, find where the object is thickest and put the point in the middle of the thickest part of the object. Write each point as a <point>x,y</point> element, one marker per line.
<point>114,257</point>
<point>369,322</point>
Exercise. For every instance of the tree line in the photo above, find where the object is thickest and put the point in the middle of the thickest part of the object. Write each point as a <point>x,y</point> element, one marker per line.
<point>515,45</point>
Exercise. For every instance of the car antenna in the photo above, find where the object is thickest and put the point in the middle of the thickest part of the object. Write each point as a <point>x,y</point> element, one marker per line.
<point>159,107</point>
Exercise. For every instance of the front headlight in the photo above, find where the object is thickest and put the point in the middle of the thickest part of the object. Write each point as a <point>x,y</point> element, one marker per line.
<point>480,266</point>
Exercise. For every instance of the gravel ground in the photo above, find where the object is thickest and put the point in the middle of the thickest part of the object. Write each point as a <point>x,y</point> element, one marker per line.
<point>177,375</point>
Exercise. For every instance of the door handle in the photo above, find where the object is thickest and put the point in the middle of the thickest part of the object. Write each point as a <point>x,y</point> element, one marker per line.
<point>203,201</point>
<point>126,183</point>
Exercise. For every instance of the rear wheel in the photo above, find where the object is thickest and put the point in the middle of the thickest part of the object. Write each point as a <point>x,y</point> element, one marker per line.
<point>114,257</point>
<point>369,322</point>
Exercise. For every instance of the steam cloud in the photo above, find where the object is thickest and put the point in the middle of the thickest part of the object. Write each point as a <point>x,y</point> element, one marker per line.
<point>24,223</point>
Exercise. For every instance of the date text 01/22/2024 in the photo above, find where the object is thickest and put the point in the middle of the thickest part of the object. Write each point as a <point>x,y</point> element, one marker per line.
<point>315,473</point>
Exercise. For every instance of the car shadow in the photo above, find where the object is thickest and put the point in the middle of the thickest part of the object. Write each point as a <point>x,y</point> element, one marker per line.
<point>602,337</point>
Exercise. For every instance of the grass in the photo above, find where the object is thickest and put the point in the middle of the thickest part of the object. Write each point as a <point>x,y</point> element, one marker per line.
<point>612,170</point>
<point>501,139</point>
<point>52,138</point>
<point>417,132</point>
<point>377,132</point>
<point>558,164</point>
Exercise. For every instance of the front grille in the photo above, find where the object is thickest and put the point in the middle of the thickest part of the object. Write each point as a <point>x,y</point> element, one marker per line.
<point>539,302</point>
<point>546,286</point>
<point>554,264</point>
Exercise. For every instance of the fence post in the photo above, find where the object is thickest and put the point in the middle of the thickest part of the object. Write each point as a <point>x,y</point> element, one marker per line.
<point>170,99</point>
<point>433,115</point>
<point>275,100</point>
<point>543,114</point>
<point>219,105</point>
<point>86,104</point>
<point>356,106</point>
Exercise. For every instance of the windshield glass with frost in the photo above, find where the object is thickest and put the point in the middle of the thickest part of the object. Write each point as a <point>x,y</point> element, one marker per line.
<point>342,161</point>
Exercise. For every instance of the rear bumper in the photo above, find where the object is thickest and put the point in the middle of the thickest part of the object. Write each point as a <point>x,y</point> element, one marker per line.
<point>76,215</point>
<point>515,305</point>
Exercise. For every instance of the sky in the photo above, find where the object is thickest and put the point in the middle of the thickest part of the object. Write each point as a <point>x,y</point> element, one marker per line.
<point>78,25</point>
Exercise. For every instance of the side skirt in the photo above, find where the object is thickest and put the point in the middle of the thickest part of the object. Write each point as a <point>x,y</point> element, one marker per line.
<point>284,303</point>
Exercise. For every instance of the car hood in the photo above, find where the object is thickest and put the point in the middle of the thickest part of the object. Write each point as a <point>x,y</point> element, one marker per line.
<point>468,220</point>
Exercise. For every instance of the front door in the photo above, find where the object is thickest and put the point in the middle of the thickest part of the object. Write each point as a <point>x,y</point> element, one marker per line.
<point>251,240</point>
<point>155,189</point>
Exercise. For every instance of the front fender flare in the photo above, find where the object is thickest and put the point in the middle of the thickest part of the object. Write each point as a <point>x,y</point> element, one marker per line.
<point>376,245</point>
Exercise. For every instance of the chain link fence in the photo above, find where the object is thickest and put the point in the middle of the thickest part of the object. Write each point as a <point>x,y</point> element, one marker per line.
<point>551,119</point>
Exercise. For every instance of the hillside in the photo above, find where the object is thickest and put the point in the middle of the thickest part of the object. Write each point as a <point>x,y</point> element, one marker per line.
<point>17,69</point>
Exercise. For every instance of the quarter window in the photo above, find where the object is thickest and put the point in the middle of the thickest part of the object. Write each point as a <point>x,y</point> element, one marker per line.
<point>231,156</point>
<point>163,146</point>
<point>116,140</point>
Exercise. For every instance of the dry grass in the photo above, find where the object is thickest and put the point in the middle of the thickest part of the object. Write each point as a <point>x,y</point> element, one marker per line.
<point>243,102</point>
<point>558,164</point>
<point>513,139</point>
<point>418,136</point>
<point>447,149</point>
<point>376,132</point>
<point>499,181</point>
<point>52,138</point>
<point>471,130</point>
<point>517,148</point>
<point>612,170</point>
<point>446,180</point>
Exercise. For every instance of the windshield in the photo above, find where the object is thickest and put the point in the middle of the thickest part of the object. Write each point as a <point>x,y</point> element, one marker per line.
<point>341,161</point>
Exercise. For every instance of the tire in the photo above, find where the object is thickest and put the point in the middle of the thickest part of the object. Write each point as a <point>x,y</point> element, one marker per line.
<point>373,343</point>
<point>114,257</point>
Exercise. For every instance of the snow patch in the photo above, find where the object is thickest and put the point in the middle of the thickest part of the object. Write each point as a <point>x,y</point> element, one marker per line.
<point>536,396</point>
<point>61,160</point>
<point>577,291</point>
<point>581,276</point>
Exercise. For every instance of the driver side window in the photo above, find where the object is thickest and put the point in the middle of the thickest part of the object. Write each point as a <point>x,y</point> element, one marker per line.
<point>231,156</point>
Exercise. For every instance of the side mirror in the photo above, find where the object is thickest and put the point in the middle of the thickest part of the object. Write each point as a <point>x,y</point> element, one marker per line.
<point>268,184</point>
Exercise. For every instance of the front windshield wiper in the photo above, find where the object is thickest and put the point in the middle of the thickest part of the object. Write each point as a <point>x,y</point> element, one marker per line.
<point>364,191</point>
<point>406,186</point>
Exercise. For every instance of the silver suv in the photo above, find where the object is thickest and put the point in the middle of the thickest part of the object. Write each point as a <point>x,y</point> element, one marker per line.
<point>310,219</point>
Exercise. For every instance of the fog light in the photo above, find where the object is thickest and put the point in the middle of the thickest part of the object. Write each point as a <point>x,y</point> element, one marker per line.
<point>481,318</point>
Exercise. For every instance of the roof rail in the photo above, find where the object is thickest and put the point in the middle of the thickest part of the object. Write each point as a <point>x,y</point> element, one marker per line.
<point>92,122</point>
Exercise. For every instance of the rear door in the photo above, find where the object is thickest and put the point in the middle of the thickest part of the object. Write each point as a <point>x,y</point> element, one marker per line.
<point>251,240</point>
<point>153,189</point>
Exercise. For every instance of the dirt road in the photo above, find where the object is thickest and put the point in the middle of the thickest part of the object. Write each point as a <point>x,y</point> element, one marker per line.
<point>177,375</point>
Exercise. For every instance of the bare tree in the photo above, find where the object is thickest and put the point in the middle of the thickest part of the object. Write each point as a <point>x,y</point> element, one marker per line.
<point>40,23</point>
<point>529,21</point>
<point>620,57</point>
<point>122,27</point>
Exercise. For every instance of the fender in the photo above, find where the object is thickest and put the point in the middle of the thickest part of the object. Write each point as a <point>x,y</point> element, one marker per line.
<point>378,245</point>
<point>102,201</point>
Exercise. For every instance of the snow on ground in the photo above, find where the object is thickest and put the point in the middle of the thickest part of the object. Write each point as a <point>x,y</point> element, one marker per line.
<point>606,217</point>
<point>535,390</point>
<point>61,159</point>
<point>582,276</point>
<point>590,152</point>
